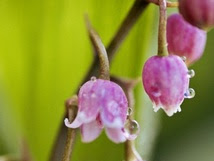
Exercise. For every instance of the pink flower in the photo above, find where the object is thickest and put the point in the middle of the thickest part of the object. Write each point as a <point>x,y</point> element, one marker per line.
<point>199,13</point>
<point>101,103</point>
<point>166,81</point>
<point>184,39</point>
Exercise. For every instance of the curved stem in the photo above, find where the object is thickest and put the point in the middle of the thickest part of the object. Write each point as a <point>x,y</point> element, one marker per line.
<point>162,41</point>
<point>131,153</point>
<point>70,105</point>
<point>168,3</point>
<point>99,49</point>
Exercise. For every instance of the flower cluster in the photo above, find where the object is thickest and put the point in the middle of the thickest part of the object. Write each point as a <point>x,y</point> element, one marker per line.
<point>166,78</point>
<point>103,103</point>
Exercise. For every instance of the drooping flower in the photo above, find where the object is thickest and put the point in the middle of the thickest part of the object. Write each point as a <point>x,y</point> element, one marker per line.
<point>199,13</point>
<point>101,103</point>
<point>184,39</point>
<point>166,81</point>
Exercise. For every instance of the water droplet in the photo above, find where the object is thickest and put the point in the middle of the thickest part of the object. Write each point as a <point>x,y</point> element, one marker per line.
<point>132,129</point>
<point>184,58</point>
<point>190,93</point>
<point>129,111</point>
<point>93,78</point>
<point>191,73</point>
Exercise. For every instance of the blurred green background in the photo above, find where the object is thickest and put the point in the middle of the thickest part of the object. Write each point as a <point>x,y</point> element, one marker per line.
<point>45,53</point>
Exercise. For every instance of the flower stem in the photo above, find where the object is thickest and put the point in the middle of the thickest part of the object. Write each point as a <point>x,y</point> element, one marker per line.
<point>168,3</point>
<point>99,49</point>
<point>70,105</point>
<point>131,153</point>
<point>162,41</point>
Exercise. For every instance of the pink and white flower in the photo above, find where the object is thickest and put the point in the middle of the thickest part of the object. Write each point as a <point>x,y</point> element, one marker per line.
<point>166,81</point>
<point>101,103</point>
<point>184,39</point>
<point>199,13</point>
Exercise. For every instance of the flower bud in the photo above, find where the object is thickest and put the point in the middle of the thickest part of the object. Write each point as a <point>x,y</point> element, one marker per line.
<point>199,13</point>
<point>166,81</point>
<point>184,39</point>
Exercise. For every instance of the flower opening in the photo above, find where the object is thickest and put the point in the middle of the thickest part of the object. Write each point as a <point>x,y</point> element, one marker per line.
<point>101,103</point>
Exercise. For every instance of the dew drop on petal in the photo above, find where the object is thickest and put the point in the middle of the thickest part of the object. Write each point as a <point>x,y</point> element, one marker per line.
<point>184,58</point>
<point>129,111</point>
<point>191,73</point>
<point>190,93</point>
<point>93,78</point>
<point>132,128</point>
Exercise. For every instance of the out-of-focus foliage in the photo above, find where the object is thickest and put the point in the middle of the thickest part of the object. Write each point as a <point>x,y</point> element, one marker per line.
<point>44,54</point>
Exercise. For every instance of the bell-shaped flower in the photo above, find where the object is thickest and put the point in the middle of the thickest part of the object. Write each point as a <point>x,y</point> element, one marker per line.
<point>101,103</point>
<point>199,13</point>
<point>184,39</point>
<point>166,81</point>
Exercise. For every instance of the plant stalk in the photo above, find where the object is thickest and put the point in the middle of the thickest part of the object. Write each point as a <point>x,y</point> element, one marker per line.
<point>100,50</point>
<point>71,106</point>
<point>168,3</point>
<point>162,41</point>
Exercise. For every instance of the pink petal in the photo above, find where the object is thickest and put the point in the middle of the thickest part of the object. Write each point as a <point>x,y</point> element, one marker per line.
<point>199,13</point>
<point>114,105</point>
<point>75,124</point>
<point>88,102</point>
<point>184,39</point>
<point>106,97</point>
<point>116,135</point>
<point>90,131</point>
<point>169,110</point>
<point>166,80</point>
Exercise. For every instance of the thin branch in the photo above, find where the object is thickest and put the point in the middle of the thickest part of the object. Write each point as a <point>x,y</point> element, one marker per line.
<point>133,15</point>
<point>162,41</point>
<point>70,105</point>
<point>130,20</point>
<point>168,3</point>
<point>99,49</point>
